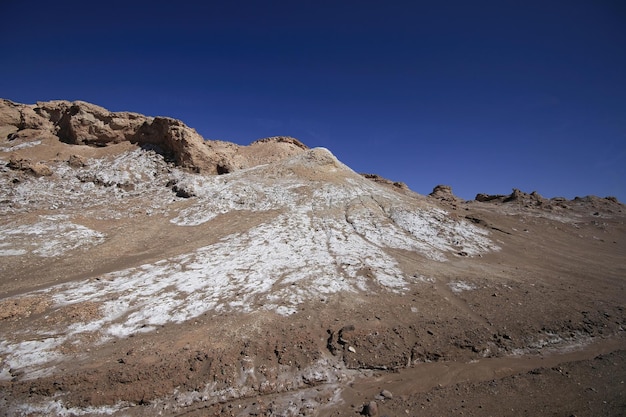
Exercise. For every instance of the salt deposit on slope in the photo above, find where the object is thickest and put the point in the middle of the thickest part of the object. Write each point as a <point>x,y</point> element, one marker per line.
<point>102,189</point>
<point>276,267</point>
<point>50,236</point>
<point>58,408</point>
<point>11,252</point>
<point>30,354</point>
<point>218,195</point>
<point>460,286</point>
<point>437,233</point>
<point>326,237</point>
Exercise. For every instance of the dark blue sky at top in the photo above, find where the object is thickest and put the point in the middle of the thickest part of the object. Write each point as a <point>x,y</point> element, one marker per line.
<point>481,95</point>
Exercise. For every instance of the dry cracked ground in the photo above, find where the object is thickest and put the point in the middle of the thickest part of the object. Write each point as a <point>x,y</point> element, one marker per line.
<point>134,281</point>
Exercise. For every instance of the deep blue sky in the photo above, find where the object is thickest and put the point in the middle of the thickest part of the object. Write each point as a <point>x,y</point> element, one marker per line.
<point>481,95</point>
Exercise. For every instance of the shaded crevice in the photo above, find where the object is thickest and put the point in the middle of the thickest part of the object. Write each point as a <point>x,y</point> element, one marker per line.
<point>222,169</point>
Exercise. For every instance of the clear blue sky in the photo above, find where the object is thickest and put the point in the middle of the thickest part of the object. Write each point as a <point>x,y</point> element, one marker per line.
<point>481,95</point>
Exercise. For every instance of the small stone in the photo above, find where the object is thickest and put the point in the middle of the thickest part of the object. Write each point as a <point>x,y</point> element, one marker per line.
<point>386,394</point>
<point>351,349</point>
<point>76,161</point>
<point>41,170</point>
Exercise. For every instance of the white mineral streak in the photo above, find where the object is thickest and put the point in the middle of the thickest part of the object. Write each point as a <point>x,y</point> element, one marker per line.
<point>20,146</point>
<point>49,237</point>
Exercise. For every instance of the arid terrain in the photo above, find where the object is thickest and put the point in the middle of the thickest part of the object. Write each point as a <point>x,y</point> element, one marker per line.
<point>145,271</point>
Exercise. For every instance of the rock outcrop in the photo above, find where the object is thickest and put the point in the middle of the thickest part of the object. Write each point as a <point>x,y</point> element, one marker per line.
<point>444,193</point>
<point>37,168</point>
<point>535,200</point>
<point>380,180</point>
<point>81,123</point>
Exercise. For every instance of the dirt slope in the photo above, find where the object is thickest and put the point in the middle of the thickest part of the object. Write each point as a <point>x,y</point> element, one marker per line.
<point>135,281</point>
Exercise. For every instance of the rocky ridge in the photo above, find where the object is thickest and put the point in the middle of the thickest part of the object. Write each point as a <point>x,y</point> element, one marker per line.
<point>81,123</point>
<point>535,200</point>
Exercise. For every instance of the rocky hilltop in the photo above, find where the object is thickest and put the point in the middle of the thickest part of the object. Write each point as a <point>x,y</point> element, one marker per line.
<point>147,271</point>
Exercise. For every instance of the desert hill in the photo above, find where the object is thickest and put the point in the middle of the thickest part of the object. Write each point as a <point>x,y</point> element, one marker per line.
<point>147,271</point>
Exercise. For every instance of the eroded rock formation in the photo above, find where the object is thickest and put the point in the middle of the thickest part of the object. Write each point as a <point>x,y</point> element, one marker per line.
<point>81,123</point>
